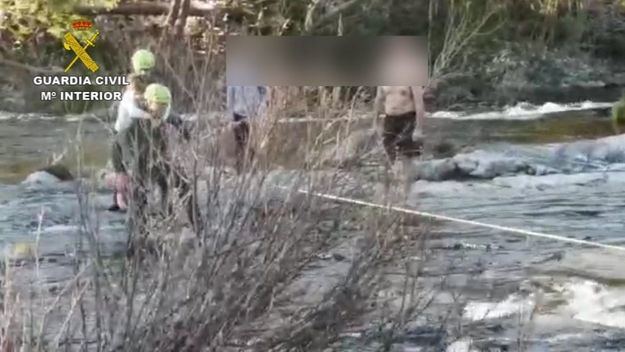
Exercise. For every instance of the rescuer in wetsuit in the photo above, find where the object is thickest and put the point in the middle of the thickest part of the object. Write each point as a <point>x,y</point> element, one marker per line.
<point>144,154</point>
<point>131,107</point>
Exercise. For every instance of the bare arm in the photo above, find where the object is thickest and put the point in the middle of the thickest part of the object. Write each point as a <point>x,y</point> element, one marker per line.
<point>417,95</point>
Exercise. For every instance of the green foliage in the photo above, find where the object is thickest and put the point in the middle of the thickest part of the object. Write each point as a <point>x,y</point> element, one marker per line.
<point>27,18</point>
<point>618,113</point>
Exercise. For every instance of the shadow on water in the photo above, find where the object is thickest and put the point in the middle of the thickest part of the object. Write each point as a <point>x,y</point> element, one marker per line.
<point>555,128</point>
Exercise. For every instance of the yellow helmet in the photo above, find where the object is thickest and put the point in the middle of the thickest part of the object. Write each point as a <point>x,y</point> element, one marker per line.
<point>157,93</point>
<point>143,61</point>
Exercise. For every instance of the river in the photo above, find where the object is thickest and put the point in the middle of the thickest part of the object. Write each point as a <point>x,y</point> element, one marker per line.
<point>568,297</point>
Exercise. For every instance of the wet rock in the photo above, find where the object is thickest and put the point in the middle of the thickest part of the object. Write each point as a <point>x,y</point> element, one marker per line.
<point>597,264</point>
<point>41,178</point>
<point>582,156</point>
<point>477,165</point>
<point>338,257</point>
<point>486,165</point>
<point>441,149</point>
<point>59,171</point>
<point>591,154</point>
<point>435,170</point>
<point>49,176</point>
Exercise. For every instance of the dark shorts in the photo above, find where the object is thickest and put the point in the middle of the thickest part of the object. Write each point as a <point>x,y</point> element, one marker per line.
<point>397,135</point>
<point>241,138</point>
<point>238,117</point>
<point>241,132</point>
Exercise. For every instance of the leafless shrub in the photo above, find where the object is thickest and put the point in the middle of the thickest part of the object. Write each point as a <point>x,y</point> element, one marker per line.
<point>250,280</point>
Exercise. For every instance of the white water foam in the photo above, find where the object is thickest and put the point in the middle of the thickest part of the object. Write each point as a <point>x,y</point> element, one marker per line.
<point>512,305</point>
<point>5,115</point>
<point>462,345</point>
<point>59,229</point>
<point>595,303</point>
<point>522,111</point>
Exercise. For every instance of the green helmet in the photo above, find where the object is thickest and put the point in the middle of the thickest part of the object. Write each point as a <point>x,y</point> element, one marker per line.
<point>157,93</point>
<point>143,61</point>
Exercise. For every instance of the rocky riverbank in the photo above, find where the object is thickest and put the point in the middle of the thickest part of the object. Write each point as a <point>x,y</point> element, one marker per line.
<point>537,78</point>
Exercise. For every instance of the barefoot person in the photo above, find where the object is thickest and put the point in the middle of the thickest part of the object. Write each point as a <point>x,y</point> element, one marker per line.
<point>245,102</point>
<point>131,107</point>
<point>403,111</point>
<point>144,153</point>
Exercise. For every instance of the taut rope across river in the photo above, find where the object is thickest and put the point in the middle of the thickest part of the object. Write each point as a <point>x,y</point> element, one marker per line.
<point>505,229</point>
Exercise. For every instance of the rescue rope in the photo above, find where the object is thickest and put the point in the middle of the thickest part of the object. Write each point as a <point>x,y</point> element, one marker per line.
<point>424,214</point>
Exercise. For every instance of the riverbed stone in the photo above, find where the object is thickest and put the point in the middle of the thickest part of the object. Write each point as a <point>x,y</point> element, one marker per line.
<point>59,171</point>
<point>600,265</point>
<point>41,178</point>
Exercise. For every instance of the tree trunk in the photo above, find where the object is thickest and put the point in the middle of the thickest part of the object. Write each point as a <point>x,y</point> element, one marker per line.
<point>182,18</point>
<point>173,14</point>
<point>141,8</point>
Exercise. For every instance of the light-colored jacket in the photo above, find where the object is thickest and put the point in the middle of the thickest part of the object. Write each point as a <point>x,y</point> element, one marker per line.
<point>248,101</point>
<point>128,110</point>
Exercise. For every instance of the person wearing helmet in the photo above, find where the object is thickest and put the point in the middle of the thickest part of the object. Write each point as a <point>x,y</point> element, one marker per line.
<point>245,102</point>
<point>144,154</point>
<point>131,107</point>
<point>143,63</point>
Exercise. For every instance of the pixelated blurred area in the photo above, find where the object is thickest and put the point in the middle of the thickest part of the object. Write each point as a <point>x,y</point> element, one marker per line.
<point>326,61</point>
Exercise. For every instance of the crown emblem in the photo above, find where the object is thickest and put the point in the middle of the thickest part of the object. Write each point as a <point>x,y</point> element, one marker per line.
<point>81,25</point>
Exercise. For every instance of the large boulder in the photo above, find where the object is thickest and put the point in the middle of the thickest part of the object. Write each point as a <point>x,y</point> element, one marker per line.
<point>49,175</point>
<point>59,171</point>
<point>475,165</point>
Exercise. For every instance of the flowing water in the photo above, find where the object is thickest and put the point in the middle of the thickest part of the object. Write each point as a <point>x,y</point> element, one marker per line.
<point>554,168</point>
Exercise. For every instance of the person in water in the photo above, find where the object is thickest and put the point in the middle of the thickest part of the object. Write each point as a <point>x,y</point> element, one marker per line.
<point>144,155</point>
<point>403,111</point>
<point>131,107</point>
<point>245,102</point>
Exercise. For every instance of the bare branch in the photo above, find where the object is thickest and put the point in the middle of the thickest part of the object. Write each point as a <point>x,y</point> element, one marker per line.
<point>141,8</point>
<point>29,68</point>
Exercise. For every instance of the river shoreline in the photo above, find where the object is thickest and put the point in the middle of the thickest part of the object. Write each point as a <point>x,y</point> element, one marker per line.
<point>483,289</point>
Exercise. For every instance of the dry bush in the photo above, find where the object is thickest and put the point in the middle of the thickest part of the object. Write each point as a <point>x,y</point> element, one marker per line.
<point>245,283</point>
